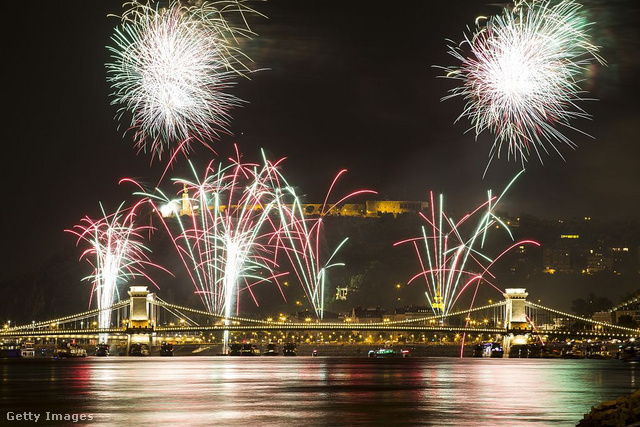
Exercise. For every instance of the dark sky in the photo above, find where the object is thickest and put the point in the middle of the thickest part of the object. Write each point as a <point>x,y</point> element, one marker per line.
<point>344,84</point>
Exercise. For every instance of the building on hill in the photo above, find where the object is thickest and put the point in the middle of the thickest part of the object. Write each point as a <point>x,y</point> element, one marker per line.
<point>604,316</point>
<point>368,209</point>
<point>630,307</point>
<point>379,207</point>
<point>632,310</point>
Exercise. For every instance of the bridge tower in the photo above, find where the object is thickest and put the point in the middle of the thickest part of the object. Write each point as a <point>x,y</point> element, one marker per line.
<point>185,208</point>
<point>437,305</point>
<point>141,315</point>
<point>515,320</point>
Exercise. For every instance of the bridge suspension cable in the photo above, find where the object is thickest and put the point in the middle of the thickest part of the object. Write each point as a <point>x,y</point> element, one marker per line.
<point>71,317</point>
<point>166,305</point>
<point>451,314</point>
<point>582,319</point>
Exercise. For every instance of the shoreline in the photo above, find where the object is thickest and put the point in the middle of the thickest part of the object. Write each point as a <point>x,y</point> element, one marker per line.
<point>624,411</point>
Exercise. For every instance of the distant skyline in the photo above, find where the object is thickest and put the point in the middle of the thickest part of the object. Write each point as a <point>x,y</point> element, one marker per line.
<point>339,85</point>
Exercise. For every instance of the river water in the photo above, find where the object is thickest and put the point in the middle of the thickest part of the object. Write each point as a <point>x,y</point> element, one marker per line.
<point>310,391</point>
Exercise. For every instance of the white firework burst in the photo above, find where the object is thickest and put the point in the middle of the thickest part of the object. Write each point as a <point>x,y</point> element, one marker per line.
<point>170,70</point>
<point>520,75</point>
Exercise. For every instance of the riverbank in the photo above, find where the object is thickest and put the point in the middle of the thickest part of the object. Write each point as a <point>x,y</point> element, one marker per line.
<point>624,411</point>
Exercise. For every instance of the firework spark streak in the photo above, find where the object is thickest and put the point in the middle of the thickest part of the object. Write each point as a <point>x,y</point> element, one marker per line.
<point>116,252</point>
<point>449,262</point>
<point>299,238</point>
<point>170,68</point>
<point>520,76</point>
<point>241,225</point>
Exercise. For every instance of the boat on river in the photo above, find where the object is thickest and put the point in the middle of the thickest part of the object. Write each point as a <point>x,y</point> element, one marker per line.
<point>289,349</point>
<point>166,349</point>
<point>249,350</point>
<point>573,351</point>
<point>138,350</point>
<point>525,351</point>
<point>629,351</point>
<point>9,349</point>
<point>235,349</point>
<point>102,349</point>
<point>488,349</point>
<point>272,350</point>
<point>69,349</point>
<point>382,353</point>
<point>27,350</point>
<point>598,351</point>
<point>245,349</point>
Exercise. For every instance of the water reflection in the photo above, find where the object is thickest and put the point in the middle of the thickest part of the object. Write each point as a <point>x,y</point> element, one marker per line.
<point>204,391</point>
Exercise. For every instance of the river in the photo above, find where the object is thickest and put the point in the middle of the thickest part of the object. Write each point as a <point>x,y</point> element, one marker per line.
<point>309,391</point>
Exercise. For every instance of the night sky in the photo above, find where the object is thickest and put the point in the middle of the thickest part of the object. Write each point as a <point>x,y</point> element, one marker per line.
<point>342,84</point>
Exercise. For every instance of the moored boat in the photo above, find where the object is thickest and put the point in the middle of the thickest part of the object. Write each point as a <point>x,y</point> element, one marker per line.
<point>138,350</point>
<point>598,351</point>
<point>387,353</point>
<point>102,350</point>
<point>69,349</point>
<point>9,349</point>
<point>572,351</point>
<point>272,350</point>
<point>524,351</point>
<point>166,349</point>
<point>488,349</point>
<point>27,350</point>
<point>249,350</point>
<point>235,349</point>
<point>629,352</point>
<point>289,349</point>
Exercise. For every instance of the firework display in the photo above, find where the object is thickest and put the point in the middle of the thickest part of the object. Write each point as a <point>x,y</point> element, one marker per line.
<point>450,261</point>
<point>170,71</point>
<point>519,74</point>
<point>299,236</point>
<point>235,224</point>
<point>243,224</point>
<point>116,252</point>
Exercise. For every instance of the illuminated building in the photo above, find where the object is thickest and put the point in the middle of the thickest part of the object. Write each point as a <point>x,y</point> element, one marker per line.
<point>368,209</point>
<point>604,316</point>
<point>598,260</point>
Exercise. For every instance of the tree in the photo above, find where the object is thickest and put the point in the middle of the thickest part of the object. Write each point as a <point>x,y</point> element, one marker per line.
<point>579,306</point>
<point>589,306</point>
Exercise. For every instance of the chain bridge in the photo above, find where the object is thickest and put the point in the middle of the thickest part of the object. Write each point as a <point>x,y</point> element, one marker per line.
<point>146,318</point>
